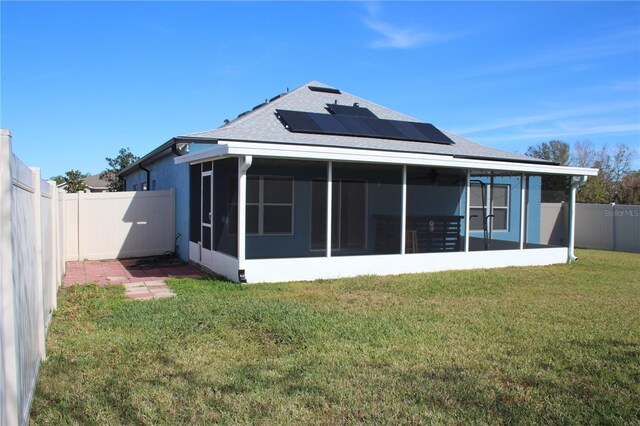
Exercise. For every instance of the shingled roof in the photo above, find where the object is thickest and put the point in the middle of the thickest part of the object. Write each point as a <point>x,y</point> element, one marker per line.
<point>262,125</point>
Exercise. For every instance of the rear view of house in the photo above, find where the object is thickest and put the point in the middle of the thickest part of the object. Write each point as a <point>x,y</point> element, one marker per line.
<point>318,183</point>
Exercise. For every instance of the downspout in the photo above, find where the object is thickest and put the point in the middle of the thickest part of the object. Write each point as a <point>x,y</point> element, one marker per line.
<point>148,176</point>
<point>572,218</point>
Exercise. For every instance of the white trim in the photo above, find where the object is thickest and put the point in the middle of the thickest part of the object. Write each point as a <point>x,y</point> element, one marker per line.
<point>522,209</point>
<point>312,268</point>
<point>467,213</point>
<point>236,148</point>
<point>329,205</point>
<point>216,152</point>
<point>243,165</point>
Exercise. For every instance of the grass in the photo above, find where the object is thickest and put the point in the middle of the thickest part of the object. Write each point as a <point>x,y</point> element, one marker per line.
<point>557,344</point>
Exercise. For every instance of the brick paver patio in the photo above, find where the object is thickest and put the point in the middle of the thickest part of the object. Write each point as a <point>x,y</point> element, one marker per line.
<point>143,278</point>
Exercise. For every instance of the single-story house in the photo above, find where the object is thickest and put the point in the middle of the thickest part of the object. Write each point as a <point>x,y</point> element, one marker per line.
<point>93,183</point>
<point>318,183</point>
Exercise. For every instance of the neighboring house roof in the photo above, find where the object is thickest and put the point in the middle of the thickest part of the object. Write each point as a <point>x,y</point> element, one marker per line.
<point>262,125</point>
<point>94,182</point>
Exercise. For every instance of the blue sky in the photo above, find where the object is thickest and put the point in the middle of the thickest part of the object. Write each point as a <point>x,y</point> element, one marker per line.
<point>81,80</point>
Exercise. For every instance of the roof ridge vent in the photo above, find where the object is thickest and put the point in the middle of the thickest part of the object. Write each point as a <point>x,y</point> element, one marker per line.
<point>324,89</point>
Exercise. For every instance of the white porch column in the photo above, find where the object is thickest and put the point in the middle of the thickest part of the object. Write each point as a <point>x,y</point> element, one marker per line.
<point>329,205</point>
<point>523,207</point>
<point>467,211</point>
<point>243,165</point>
<point>403,217</point>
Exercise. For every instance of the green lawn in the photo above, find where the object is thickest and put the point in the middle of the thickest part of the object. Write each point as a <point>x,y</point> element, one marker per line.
<point>557,344</point>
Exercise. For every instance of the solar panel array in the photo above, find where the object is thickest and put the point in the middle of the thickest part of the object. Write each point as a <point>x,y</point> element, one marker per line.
<point>359,125</point>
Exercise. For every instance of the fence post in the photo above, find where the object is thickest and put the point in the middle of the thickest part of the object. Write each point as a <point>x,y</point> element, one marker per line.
<point>39,286</point>
<point>62,231</point>
<point>53,245</point>
<point>9,387</point>
<point>79,194</point>
<point>613,226</point>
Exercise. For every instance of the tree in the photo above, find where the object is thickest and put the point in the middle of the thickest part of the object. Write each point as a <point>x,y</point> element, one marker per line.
<point>75,181</point>
<point>554,188</point>
<point>630,188</point>
<point>607,187</point>
<point>124,159</point>
<point>556,151</point>
<point>583,154</point>
<point>58,179</point>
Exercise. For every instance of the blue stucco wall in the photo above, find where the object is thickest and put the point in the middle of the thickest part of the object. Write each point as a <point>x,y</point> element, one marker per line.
<point>534,210</point>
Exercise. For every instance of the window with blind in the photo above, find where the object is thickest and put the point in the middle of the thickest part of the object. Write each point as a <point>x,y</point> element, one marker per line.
<point>489,200</point>
<point>269,205</point>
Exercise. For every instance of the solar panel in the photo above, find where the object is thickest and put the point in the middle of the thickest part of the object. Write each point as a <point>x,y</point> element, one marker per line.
<point>298,121</point>
<point>328,124</point>
<point>355,125</point>
<point>408,129</point>
<point>383,128</point>
<point>349,125</point>
<point>350,110</point>
<point>432,133</point>
<point>324,89</point>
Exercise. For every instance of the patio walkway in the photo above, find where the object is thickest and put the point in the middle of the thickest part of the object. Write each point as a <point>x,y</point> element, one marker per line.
<point>126,271</point>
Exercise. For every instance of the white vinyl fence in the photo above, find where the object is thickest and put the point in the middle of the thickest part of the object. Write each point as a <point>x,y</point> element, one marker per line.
<point>31,269</point>
<point>608,227</point>
<point>109,225</point>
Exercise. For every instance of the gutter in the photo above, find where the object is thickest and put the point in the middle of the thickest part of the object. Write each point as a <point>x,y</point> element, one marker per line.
<point>572,218</point>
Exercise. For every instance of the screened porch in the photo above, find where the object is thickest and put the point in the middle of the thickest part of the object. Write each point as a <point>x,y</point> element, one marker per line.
<point>292,209</point>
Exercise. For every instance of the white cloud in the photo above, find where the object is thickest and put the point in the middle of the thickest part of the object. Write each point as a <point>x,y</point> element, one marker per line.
<point>549,116</point>
<point>542,134</point>
<point>575,55</point>
<point>397,36</point>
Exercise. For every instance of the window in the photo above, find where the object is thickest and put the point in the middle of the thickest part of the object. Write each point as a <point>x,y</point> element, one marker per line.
<point>135,186</point>
<point>153,185</point>
<point>488,200</point>
<point>269,205</point>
